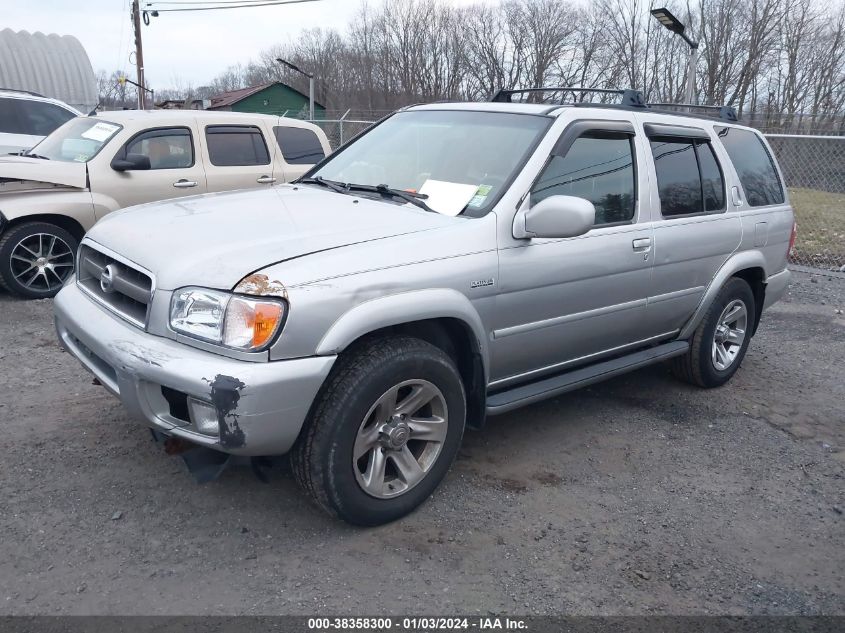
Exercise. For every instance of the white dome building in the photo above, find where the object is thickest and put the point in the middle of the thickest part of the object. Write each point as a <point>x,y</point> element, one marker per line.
<point>53,65</point>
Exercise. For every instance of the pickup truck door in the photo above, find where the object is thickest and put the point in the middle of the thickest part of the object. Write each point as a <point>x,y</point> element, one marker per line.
<point>568,302</point>
<point>237,156</point>
<point>175,167</point>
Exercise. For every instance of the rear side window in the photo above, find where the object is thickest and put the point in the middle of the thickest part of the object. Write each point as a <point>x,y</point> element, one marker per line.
<point>299,146</point>
<point>689,180</point>
<point>754,165</point>
<point>236,145</point>
<point>598,168</point>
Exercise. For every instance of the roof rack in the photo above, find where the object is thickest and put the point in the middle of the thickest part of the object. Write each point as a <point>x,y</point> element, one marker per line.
<point>630,98</point>
<point>726,113</point>
<point>25,92</point>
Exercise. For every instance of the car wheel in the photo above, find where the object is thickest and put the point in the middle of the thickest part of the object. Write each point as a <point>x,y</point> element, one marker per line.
<point>383,431</point>
<point>36,258</point>
<point>721,339</point>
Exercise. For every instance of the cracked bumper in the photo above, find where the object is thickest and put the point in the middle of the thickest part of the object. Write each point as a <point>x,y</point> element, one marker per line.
<point>134,365</point>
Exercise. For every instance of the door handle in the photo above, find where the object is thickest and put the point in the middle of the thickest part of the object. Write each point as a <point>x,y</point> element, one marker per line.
<point>265,180</point>
<point>642,244</point>
<point>182,183</point>
<point>735,197</point>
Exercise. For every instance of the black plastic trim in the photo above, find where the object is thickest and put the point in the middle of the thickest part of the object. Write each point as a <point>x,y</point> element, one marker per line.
<point>663,129</point>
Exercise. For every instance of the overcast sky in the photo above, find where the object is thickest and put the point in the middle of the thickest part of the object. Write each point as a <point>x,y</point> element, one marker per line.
<point>191,47</point>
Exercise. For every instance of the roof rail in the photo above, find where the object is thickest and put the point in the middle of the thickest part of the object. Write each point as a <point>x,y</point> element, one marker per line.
<point>629,98</point>
<point>726,113</point>
<point>25,92</point>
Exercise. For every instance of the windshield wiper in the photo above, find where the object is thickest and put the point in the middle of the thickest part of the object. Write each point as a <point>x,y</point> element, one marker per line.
<point>31,155</point>
<point>415,199</point>
<point>338,187</point>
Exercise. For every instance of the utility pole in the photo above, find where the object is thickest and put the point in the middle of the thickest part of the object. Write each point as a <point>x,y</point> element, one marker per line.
<point>139,55</point>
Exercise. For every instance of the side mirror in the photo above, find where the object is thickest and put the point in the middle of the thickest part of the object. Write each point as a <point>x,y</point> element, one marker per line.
<point>132,162</point>
<point>556,217</point>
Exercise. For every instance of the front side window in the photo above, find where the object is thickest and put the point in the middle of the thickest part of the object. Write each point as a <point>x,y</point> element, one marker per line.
<point>236,145</point>
<point>39,118</point>
<point>170,148</point>
<point>475,152</point>
<point>299,146</point>
<point>599,168</point>
<point>78,140</point>
<point>689,180</point>
<point>754,165</point>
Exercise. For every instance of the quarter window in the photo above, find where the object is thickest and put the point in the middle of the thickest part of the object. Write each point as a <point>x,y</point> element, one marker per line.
<point>599,168</point>
<point>236,145</point>
<point>754,165</point>
<point>689,180</point>
<point>299,146</point>
<point>170,148</point>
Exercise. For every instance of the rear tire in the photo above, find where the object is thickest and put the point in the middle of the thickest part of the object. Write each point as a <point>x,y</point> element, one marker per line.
<point>719,343</point>
<point>383,431</point>
<point>36,258</point>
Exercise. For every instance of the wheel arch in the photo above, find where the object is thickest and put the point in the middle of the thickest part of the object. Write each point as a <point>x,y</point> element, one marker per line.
<point>69,224</point>
<point>749,266</point>
<point>443,317</point>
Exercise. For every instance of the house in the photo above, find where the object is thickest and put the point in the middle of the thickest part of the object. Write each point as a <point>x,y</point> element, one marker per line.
<point>270,98</point>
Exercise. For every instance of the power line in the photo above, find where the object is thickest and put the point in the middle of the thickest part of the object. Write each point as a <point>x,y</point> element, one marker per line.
<point>221,4</point>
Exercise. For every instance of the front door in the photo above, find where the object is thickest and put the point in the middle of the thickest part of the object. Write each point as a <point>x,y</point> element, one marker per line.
<point>566,302</point>
<point>175,169</point>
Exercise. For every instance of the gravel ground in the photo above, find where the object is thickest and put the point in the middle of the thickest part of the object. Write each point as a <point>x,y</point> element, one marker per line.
<point>638,496</point>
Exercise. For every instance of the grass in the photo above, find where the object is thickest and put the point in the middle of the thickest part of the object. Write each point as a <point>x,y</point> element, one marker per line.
<point>820,216</point>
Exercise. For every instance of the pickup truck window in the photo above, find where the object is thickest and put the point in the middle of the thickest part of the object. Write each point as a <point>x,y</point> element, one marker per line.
<point>479,148</point>
<point>599,169</point>
<point>299,146</point>
<point>689,180</point>
<point>236,145</point>
<point>754,166</point>
<point>170,148</point>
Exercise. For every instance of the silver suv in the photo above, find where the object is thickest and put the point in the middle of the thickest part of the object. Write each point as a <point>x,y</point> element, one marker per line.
<point>455,261</point>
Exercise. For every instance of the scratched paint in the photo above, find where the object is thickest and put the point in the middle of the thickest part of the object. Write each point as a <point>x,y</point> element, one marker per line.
<point>225,394</point>
<point>258,284</point>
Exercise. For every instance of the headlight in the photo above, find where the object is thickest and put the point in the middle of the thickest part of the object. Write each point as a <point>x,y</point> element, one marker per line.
<point>225,319</point>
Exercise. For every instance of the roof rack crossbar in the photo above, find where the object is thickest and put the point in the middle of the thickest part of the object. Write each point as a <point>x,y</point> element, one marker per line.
<point>726,113</point>
<point>631,98</point>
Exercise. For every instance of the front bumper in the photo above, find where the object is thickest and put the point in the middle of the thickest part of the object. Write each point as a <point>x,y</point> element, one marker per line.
<point>260,406</point>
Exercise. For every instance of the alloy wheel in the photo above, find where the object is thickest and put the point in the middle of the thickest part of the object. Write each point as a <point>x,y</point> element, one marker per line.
<point>730,334</point>
<point>42,262</point>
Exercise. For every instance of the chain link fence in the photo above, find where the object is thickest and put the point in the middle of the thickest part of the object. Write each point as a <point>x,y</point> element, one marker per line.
<point>813,167</point>
<point>814,170</point>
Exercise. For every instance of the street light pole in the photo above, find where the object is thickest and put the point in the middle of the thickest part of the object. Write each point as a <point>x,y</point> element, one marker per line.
<point>665,17</point>
<point>296,68</point>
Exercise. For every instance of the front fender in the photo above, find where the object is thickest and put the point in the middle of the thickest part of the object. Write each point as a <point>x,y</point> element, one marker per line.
<point>404,307</point>
<point>71,203</point>
<point>737,262</point>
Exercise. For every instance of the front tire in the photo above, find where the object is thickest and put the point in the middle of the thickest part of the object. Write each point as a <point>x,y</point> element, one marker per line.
<point>719,343</point>
<point>383,432</point>
<point>36,258</point>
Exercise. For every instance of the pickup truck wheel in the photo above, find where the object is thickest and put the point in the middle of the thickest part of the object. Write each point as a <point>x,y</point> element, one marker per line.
<point>383,432</point>
<point>721,340</point>
<point>36,258</point>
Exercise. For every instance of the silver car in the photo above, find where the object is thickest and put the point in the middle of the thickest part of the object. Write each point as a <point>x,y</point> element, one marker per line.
<point>455,261</point>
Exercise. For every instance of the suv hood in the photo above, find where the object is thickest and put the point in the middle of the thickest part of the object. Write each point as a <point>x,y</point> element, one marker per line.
<point>38,170</point>
<point>216,240</point>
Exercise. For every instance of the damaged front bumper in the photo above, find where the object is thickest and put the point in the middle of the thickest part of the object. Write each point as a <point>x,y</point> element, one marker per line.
<point>260,407</point>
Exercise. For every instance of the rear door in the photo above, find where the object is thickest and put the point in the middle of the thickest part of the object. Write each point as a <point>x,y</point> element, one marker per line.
<point>175,167</point>
<point>237,156</point>
<point>299,149</point>
<point>695,231</point>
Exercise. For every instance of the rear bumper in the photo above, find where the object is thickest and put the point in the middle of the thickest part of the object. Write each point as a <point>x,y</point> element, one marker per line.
<point>776,287</point>
<point>260,406</point>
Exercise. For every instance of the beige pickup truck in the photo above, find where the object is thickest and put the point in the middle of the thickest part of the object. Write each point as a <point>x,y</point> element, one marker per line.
<point>94,165</point>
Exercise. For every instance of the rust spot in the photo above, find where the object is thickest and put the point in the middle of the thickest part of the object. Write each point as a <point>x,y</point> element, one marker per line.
<point>260,285</point>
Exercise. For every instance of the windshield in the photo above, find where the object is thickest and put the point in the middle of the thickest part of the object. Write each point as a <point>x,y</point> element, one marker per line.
<point>78,140</point>
<point>462,160</point>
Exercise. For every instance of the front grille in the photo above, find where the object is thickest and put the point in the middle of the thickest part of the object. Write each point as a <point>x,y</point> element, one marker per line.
<point>119,286</point>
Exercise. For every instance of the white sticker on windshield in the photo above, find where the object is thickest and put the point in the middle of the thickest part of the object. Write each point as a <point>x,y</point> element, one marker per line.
<point>448,198</point>
<point>100,131</point>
